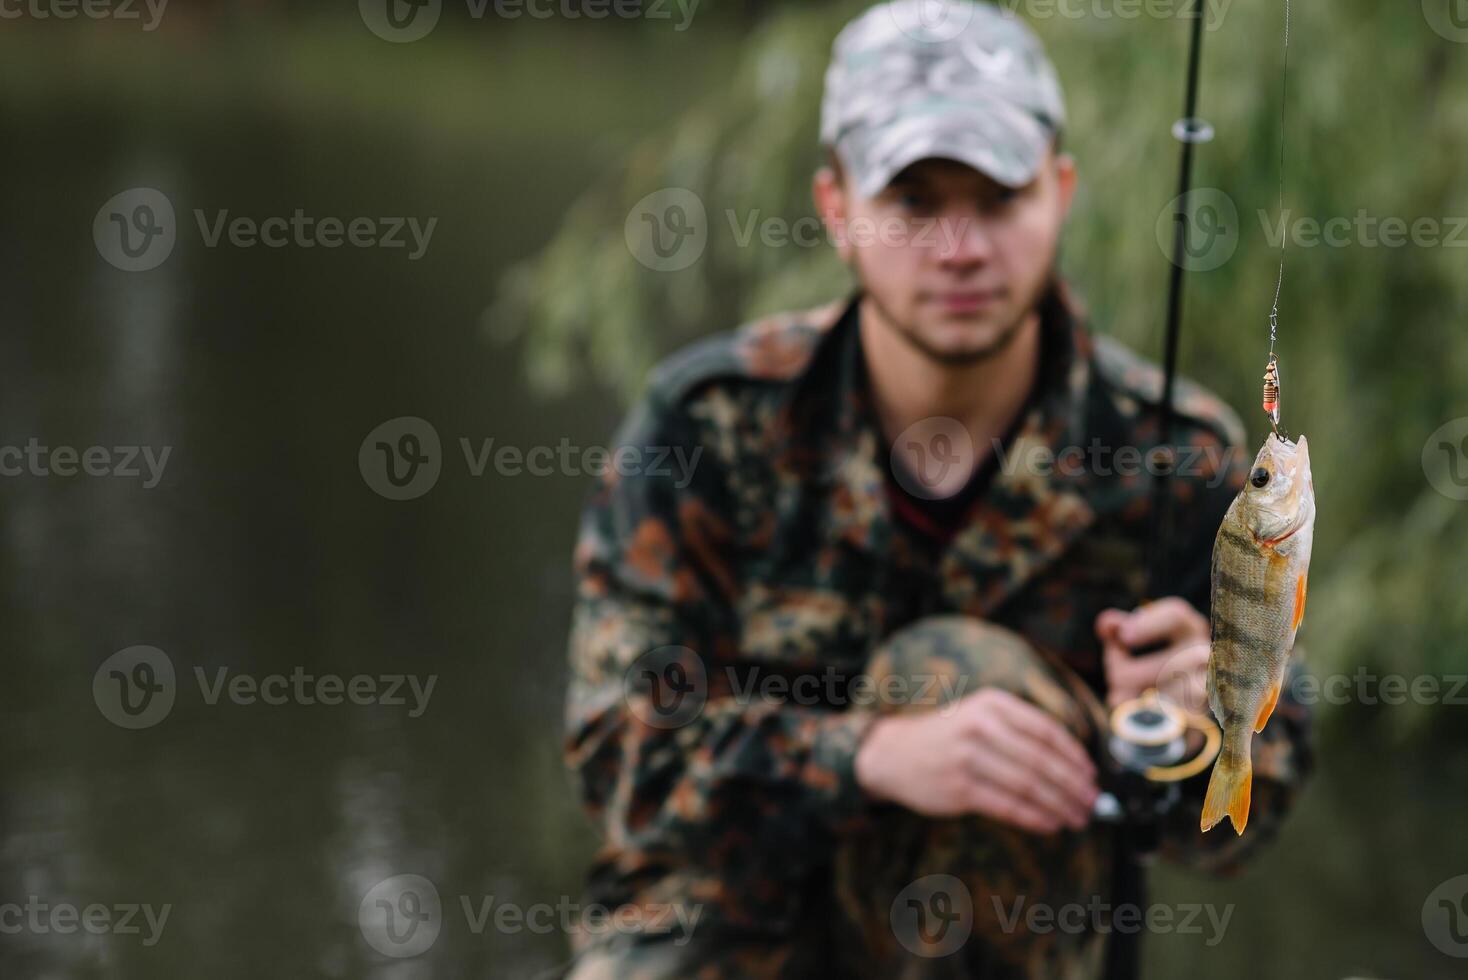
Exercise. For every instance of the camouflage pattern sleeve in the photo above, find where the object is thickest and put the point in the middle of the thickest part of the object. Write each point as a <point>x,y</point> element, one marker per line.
<point>1282,753</point>
<point>698,786</point>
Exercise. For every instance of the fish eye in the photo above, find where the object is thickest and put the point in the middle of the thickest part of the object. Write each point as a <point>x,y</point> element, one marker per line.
<point>1259,477</point>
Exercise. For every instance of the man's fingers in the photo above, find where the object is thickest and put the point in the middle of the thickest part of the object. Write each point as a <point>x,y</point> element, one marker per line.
<point>1127,675</point>
<point>1006,807</point>
<point>991,765</point>
<point>1042,771</point>
<point>1180,674</point>
<point>1108,622</point>
<point>1183,677</point>
<point>1048,732</point>
<point>1167,620</point>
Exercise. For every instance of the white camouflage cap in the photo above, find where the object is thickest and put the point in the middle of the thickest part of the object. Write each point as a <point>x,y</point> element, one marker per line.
<point>940,78</point>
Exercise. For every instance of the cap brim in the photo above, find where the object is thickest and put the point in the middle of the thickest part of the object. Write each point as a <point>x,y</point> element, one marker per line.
<point>1002,142</point>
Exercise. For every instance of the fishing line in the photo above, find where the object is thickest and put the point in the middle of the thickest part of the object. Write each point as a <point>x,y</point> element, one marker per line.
<point>1271,370</point>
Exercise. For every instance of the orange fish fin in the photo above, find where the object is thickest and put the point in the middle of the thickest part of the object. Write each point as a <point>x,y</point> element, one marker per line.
<point>1229,789</point>
<point>1300,590</point>
<point>1268,708</point>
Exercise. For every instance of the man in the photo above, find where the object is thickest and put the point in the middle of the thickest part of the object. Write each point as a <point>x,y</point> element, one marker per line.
<point>851,674</point>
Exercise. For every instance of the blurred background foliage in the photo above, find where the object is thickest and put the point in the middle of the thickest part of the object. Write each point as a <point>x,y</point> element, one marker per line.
<point>1372,338</point>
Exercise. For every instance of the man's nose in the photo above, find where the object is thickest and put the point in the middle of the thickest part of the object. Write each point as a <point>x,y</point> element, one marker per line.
<point>963,240</point>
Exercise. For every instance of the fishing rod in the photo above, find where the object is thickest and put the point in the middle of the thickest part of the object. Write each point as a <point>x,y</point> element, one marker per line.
<point>1123,955</point>
<point>1190,131</point>
<point>1123,951</point>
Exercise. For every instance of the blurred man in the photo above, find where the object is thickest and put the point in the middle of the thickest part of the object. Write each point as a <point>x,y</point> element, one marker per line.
<point>837,702</point>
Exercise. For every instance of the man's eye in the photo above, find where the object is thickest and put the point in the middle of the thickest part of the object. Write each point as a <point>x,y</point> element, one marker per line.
<point>913,201</point>
<point>1002,198</point>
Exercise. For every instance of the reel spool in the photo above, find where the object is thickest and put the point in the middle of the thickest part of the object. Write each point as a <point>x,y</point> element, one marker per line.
<point>1155,745</point>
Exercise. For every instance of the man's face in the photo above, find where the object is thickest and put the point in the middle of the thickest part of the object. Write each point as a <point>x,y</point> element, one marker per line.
<point>953,260</point>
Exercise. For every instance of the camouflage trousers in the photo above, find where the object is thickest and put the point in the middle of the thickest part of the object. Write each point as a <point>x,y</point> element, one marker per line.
<point>915,897</point>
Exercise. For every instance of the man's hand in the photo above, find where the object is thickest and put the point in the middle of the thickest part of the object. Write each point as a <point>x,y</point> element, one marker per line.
<point>989,753</point>
<point>1179,670</point>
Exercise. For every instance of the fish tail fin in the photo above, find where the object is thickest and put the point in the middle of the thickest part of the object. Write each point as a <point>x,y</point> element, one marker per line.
<point>1228,791</point>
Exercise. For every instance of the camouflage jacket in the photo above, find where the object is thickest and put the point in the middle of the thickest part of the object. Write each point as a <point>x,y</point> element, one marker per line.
<point>774,554</point>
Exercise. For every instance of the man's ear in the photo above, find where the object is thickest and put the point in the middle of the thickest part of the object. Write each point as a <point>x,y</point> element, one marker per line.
<point>1065,176</point>
<point>828,191</point>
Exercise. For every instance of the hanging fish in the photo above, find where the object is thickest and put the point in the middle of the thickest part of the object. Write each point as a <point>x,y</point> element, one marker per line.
<point>1261,558</point>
